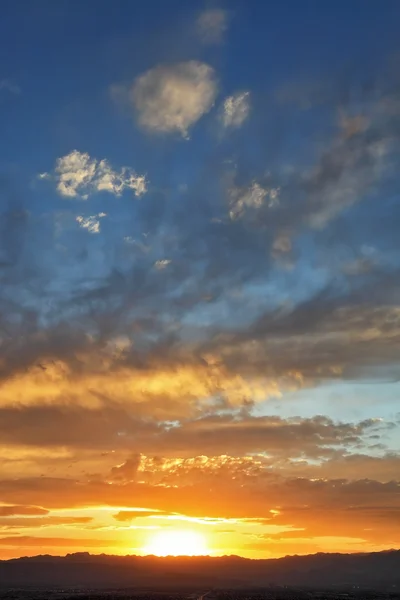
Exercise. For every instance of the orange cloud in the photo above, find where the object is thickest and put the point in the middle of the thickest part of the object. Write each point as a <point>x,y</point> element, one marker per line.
<point>9,510</point>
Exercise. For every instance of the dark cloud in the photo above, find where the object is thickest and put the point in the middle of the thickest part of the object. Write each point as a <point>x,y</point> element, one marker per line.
<point>379,468</point>
<point>276,437</point>
<point>76,427</point>
<point>214,435</point>
<point>327,335</point>
<point>127,471</point>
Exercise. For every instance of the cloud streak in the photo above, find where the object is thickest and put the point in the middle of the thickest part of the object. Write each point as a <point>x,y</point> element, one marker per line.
<point>211,25</point>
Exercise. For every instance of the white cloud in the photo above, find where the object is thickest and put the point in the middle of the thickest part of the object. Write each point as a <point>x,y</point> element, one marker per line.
<point>79,175</point>
<point>162,264</point>
<point>172,98</point>
<point>110,181</point>
<point>253,197</point>
<point>74,171</point>
<point>92,223</point>
<point>236,109</point>
<point>211,25</point>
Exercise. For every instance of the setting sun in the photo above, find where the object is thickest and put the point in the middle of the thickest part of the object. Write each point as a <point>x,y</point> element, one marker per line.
<point>177,543</point>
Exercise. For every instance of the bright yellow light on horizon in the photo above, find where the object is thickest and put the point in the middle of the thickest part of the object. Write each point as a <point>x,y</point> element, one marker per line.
<point>177,543</point>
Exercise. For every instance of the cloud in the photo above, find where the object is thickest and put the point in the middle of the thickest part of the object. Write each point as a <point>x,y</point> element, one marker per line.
<point>316,336</point>
<point>353,166</point>
<point>290,438</point>
<point>127,471</point>
<point>75,171</point>
<point>172,98</point>
<point>33,522</point>
<point>379,468</point>
<point>211,25</point>
<point>234,433</point>
<point>350,169</point>
<point>353,124</point>
<point>344,174</point>
<point>372,523</point>
<point>282,245</point>
<point>92,223</point>
<point>129,515</point>
<point>47,542</point>
<point>41,426</point>
<point>162,264</point>
<point>252,198</point>
<point>359,266</point>
<point>78,176</point>
<point>368,508</point>
<point>326,336</point>
<point>11,510</point>
<point>235,109</point>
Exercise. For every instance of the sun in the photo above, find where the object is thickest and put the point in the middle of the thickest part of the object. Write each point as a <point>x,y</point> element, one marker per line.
<point>177,543</point>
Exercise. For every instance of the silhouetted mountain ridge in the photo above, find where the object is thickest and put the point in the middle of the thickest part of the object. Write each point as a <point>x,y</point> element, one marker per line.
<point>376,569</point>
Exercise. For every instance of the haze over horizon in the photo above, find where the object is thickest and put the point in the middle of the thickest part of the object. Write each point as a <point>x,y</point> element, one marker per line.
<point>199,277</point>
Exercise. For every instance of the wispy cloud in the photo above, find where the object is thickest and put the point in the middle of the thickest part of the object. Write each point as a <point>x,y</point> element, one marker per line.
<point>252,198</point>
<point>211,25</point>
<point>235,109</point>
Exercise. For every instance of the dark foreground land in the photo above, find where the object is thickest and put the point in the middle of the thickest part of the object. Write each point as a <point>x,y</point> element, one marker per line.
<point>374,571</point>
<point>372,576</point>
<point>271,593</point>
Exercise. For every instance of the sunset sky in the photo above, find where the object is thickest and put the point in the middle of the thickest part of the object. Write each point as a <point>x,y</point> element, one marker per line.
<point>199,277</point>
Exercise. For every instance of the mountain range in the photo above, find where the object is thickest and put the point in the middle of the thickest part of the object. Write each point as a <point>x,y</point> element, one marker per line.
<point>373,570</point>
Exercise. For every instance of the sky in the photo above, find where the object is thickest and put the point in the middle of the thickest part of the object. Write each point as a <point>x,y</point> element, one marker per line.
<point>199,277</point>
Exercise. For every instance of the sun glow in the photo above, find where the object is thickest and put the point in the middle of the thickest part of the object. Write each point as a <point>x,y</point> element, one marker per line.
<point>177,543</point>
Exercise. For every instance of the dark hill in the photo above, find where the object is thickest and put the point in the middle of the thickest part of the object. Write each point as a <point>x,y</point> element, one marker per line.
<point>374,570</point>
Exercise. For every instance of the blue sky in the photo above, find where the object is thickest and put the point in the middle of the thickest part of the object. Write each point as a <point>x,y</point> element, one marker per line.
<point>199,226</point>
